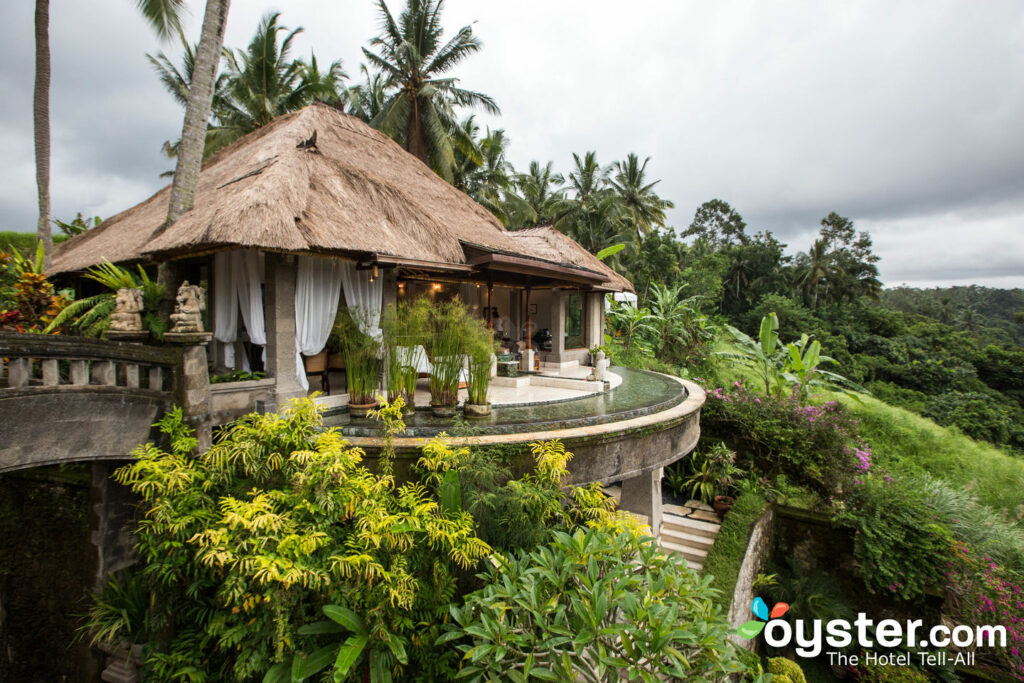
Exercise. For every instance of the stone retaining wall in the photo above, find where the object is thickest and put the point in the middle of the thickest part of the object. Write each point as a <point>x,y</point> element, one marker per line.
<point>758,548</point>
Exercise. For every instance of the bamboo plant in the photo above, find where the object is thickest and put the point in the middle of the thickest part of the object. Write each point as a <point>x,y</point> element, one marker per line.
<point>362,359</point>
<point>403,327</point>
<point>448,347</point>
<point>479,376</point>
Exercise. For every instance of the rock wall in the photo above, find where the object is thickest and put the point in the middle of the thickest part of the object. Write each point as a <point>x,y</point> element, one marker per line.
<point>758,548</point>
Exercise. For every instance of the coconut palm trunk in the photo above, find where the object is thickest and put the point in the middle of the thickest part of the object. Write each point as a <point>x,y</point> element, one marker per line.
<point>415,142</point>
<point>41,123</point>
<point>197,110</point>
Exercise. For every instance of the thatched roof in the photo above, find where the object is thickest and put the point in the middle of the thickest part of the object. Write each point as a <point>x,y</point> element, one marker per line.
<point>354,194</point>
<point>550,244</point>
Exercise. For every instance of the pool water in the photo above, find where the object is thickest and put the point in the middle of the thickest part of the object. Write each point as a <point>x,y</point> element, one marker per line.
<point>641,393</point>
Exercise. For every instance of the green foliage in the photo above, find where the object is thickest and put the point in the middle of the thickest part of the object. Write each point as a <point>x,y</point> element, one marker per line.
<point>363,362</point>
<point>809,592</point>
<point>881,673</point>
<point>981,527</point>
<point>577,609</point>
<point>118,614</point>
<point>452,334</point>
<point>780,666</point>
<point>244,544</point>
<point>404,326</point>
<point>77,225</point>
<point>713,473</point>
<point>813,447</point>
<point>256,84</point>
<point>726,554</point>
<point>978,415</point>
<point>90,317</point>
<point>793,366</point>
<point>904,442</point>
<point>237,376</point>
<point>28,302</point>
<point>900,546</point>
<point>418,111</point>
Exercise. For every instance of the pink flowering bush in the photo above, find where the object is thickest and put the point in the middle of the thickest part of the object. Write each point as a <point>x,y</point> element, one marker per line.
<point>982,592</point>
<point>816,447</point>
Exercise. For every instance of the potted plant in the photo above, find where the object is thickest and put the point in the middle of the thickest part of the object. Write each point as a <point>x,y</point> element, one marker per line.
<point>402,325</point>
<point>597,354</point>
<point>448,325</point>
<point>362,365</point>
<point>117,623</point>
<point>479,377</point>
<point>713,476</point>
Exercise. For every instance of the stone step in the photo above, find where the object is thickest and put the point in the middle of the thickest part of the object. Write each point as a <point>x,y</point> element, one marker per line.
<point>690,526</point>
<point>683,538</point>
<point>691,554</point>
<point>705,515</point>
<point>698,505</point>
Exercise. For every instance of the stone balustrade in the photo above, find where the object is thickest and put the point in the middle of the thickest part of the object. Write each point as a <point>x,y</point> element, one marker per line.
<point>30,360</point>
<point>71,399</point>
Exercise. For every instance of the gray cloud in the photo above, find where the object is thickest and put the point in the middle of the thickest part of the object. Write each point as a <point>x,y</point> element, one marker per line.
<point>908,118</point>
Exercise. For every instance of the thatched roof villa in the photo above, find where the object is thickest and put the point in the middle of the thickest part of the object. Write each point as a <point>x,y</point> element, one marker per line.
<point>319,205</point>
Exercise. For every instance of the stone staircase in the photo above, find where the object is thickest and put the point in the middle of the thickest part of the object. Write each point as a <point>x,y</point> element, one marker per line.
<point>689,530</point>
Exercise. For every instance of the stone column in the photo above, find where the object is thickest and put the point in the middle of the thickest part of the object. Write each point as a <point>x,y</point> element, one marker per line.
<point>390,276</point>
<point>642,495</point>
<point>558,302</point>
<point>595,319</point>
<point>280,321</point>
<point>110,521</point>
<point>194,392</point>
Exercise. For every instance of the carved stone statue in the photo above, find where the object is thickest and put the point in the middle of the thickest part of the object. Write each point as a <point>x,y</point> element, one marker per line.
<point>191,302</point>
<point>127,315</point>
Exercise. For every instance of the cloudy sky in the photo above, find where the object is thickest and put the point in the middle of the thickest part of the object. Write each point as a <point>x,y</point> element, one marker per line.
<point>906,116</point>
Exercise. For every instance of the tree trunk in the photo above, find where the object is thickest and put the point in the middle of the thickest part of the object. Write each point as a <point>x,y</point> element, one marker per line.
<point>414,143</point>
<point>197,111</point>
<point>41,123</point>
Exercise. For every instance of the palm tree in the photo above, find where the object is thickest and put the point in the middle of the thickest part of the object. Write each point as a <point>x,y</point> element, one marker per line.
<point>259,84</point>
<point>645,207</point>
<point>817,268</point>
<point>197,111</point>
<point>420,116</point>
<point>165,18</point>
<point>588,178</point>
<point>41,123</point>
<point>541,192</point>
<point>594,216</point>
<point>366,100</point>
<point>263,82</point>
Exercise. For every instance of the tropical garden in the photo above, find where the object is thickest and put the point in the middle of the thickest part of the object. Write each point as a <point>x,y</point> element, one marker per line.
<point>890,419</point>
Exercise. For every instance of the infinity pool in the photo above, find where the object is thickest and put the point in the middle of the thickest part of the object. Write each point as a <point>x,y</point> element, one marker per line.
<point>641,393</point>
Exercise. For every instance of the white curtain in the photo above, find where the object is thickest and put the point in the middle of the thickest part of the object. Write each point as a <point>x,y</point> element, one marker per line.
<point>317,291</point>
<point>225,306</point>
<point>237,287</point>
<point>364,293</point>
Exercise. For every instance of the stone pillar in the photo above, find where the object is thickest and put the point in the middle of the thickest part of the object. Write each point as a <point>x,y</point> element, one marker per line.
<point>642,495</point>
<point>194,392</point>
<point>110,521</point>
<point>390,287</point>
<point>280,321</point>
<point>595,319</point>
<point>558,302</point>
